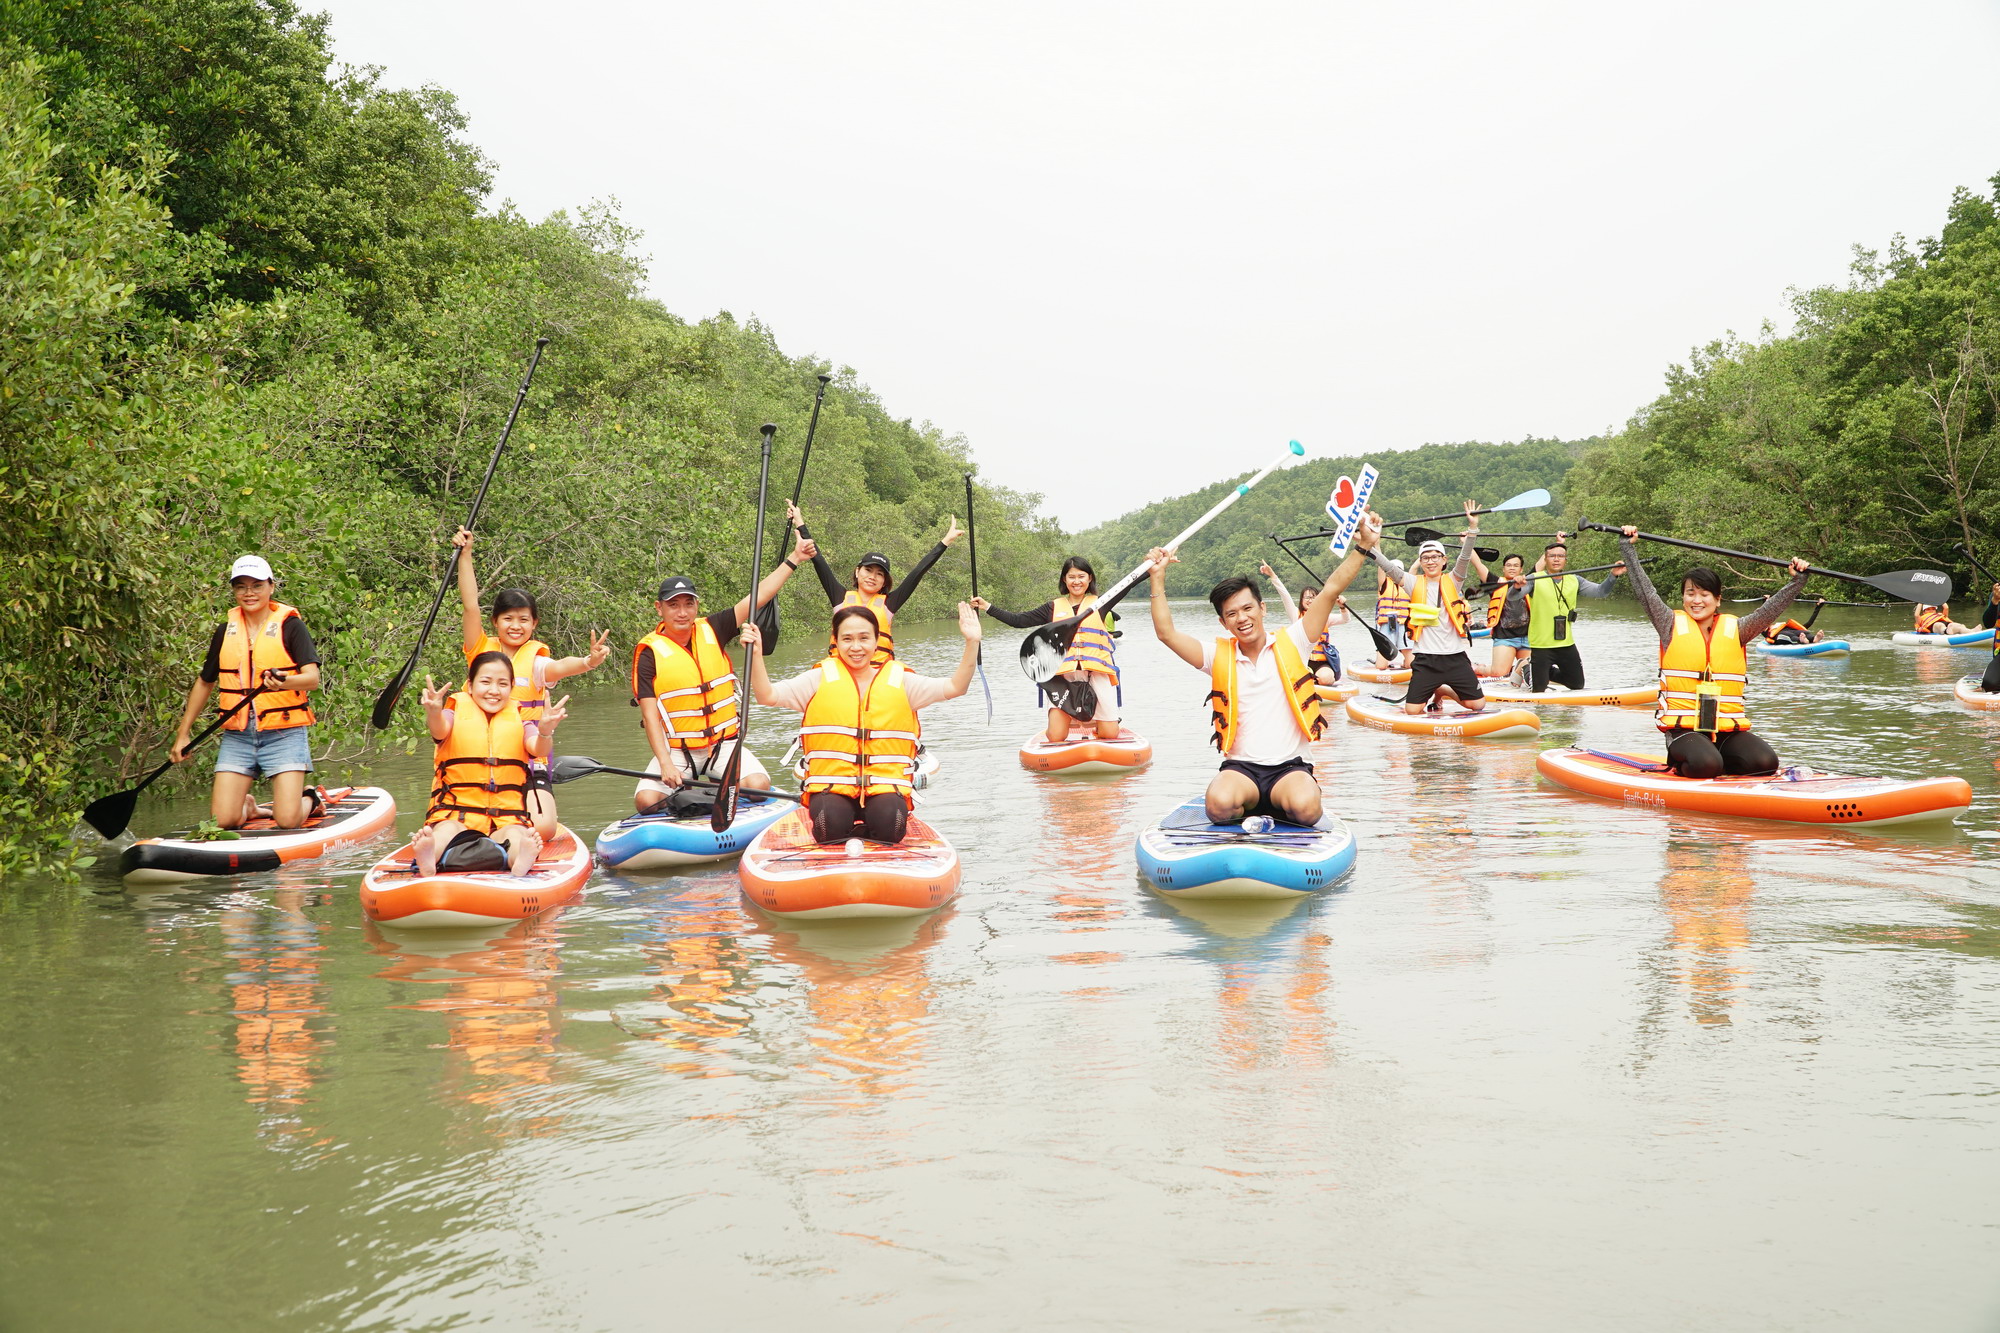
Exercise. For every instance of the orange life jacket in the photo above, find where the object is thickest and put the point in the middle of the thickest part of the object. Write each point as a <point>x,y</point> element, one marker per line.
<point>1091,649</point>
<point>1300,691</point>
<point>885,641</point>
<point>1693,664</point>
<point>695,691</point>
<point>532,700</point>
<point>1933,619</point>
<point>1392,603</point>
<point>848,737</point>
<point>480,776</point>
<point>1442,593</point>
<point>243,663</point>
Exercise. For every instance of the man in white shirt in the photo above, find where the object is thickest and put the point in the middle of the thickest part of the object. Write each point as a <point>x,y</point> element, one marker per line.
<point>1439,620</point>
<point>1265,712</point>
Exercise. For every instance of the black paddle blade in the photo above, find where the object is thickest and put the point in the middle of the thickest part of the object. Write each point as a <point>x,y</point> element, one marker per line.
<point>724,813</point>
<point>385,702</point>
<point>570,767</point>
<point>1043,650</point>
<point>110,815</point>
<point>1929,587</point>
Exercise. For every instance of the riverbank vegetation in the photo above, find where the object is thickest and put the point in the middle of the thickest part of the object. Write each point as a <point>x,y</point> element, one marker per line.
<point>250,301</point>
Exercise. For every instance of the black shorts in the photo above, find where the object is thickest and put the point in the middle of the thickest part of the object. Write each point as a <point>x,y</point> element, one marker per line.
<point>1431,670</point>
<point>539,779</point>
<point>1266,776</point>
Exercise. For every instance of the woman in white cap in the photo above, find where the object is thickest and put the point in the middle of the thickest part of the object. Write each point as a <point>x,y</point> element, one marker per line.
<point>262,663</point>
<point>873,587</point>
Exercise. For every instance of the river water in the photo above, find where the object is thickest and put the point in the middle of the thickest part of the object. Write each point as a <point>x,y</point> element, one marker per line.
<point>1542,1061</point>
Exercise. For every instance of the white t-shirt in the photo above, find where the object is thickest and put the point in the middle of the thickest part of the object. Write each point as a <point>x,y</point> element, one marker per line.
<point>1441,637</point>
<point>1266,731</point>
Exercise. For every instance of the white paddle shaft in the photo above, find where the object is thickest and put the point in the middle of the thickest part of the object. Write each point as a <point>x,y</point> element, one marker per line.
<point>1291,450</point>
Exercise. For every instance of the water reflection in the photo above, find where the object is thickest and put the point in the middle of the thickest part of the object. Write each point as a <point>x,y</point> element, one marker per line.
<point>1706,890</point>
<point>496,993</point>
<point>278,1003</point>
<point>867,994</point>
<point>1085,859</point>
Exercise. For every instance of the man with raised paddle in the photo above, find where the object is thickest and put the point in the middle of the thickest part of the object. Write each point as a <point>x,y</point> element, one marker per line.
<point>1264,709</point>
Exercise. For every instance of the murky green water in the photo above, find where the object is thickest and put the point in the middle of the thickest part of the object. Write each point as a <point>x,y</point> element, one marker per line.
<point>1543,1062</point>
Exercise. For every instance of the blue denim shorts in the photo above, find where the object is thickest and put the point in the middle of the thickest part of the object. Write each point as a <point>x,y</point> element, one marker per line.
<point>1521,643</point>
<point>265,753</point>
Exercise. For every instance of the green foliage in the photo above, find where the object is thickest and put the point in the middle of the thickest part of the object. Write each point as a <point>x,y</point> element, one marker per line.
<point>1433,479</point>
<point>1865,440</point>
<point>246,305</point>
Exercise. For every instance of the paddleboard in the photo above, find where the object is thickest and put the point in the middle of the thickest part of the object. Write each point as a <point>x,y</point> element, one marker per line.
<point>1491,724</point>
<point>395,895</point>
<point>1797,796</point>
<point>1968,692</point>
<point>1338,692</point>
<point>1185,856</point>
<point>1824,648</point>
<point>1635,696</point>
<point>788,874</point>
<point>352,813</point>
<point>1376,676</point>
<point>662,842</point>
<point>1084,752</point>
<point>1966,640</point>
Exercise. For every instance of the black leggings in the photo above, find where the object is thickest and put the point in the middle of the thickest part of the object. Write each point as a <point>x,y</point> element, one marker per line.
<point>837,818</point>
<point>1562,665</point>
<point>1693,755</point>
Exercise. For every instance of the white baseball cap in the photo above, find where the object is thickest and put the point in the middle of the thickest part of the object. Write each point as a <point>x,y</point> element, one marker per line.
<point>1422,551</point>
<point>255,566</point>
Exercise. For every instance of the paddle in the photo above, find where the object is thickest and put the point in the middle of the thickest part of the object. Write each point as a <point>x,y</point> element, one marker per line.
<point>1382,645</point>
<point>1421,533</point>
<point>570,767</point>
<point>1042,650</point>
<point>1525,500</point>
<point>972,549</point>
<point>724,813</point>
<point>767,615</point>
<point>1587,569</point>
<point>1928,586</point>
<point>1984,572</point>
<point>1418,536</point>
<point>110,815</point>
<point>385,702</point>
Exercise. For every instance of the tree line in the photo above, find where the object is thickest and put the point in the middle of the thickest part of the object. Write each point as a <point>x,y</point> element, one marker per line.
<point>253,302</point>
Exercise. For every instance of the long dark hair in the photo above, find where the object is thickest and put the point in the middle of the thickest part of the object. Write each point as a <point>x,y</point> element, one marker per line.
<point>1701,576</point>
<point>1075,562</point>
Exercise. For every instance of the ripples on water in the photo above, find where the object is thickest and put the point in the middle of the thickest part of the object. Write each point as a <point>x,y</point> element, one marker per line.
<point>1542,1061</point>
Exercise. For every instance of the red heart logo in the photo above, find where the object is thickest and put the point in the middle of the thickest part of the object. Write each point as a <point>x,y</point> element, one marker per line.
<point>1343,493</point>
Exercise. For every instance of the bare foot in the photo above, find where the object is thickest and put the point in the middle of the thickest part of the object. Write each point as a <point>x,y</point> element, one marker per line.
<point>526,848</point>
<point>424,849</point>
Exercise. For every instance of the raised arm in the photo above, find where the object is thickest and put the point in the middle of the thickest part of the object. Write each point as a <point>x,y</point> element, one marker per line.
<point>776,579</point>
<point>760,678</point>
<point>828,581</point>
<point>1642,586</point>
<point>903,591</point>
<point>468,592</point>
<point>1368,537</point>
<point>1773,609</point>
<point>1284,594</point>
<point>1041,615</point>
<point>968,657</point>
<point>1184,646</point>
<point>565,667</point>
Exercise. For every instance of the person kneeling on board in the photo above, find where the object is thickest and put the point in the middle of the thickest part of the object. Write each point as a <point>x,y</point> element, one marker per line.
<point>487,748</point>
<point>685,687</point>
<point>1264,712</point>
<point>861,731</point>
<point>1442,668</point>
<point>1086,687</point>
<point>1704,669</point>
<point>263,648</point>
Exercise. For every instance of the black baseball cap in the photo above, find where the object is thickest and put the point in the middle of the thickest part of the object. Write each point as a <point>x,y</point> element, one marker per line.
<point>677,586</point>
<point>875,558</point>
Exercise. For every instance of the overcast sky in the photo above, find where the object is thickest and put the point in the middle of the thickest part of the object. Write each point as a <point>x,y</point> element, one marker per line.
<point>1126,248</point>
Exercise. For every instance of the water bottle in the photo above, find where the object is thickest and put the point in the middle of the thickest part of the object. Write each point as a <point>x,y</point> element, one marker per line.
<point>1259,824</point>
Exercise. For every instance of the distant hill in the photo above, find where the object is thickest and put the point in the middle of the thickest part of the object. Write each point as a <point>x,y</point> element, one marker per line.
<point>1427,480</point>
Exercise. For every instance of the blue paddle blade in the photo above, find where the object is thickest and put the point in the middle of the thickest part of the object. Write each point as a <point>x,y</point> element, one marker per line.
<point>1534,499</point>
